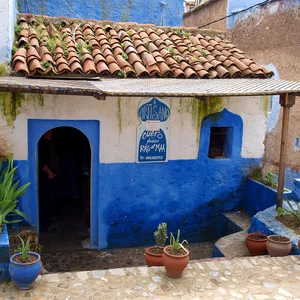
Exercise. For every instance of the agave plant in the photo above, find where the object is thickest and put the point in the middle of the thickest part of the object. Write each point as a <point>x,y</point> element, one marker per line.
<point>10,191</point>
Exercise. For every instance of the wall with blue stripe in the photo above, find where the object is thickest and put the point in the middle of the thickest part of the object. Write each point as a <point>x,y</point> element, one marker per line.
<point>131,199</point>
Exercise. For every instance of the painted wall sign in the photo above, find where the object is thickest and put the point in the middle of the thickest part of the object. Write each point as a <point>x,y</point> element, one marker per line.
<point>153,132</point>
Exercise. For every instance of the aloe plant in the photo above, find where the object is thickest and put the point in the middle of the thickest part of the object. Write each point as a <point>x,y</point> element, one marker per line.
<point>10,191</point>
<point>175,242</point>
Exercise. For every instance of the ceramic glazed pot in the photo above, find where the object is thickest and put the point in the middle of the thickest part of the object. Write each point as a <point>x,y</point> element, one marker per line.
<point>153,257</point>
<point>256,243</point>
<point>175,264</point>
<point>278,245</point>
<point>24,274</point>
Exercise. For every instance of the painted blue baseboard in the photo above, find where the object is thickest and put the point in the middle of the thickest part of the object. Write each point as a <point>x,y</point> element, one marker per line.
<point>4,255</point>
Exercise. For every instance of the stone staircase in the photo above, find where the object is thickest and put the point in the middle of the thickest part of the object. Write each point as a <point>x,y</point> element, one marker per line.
<point>232,244</point>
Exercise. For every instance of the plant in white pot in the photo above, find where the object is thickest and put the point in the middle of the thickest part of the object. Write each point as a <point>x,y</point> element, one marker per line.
<point>154,254</point>
<point>175,256</point>
<point>25,266</point>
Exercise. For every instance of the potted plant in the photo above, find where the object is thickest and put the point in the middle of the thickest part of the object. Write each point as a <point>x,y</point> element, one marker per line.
<point>24,266</point>
<point>256,243</point>
<point>154,254</point>
<point>10,191</point>
<point>278,245</point>
<point>175,256</point>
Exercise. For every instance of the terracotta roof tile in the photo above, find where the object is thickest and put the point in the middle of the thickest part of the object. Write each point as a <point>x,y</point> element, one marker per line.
<point>107,48</point>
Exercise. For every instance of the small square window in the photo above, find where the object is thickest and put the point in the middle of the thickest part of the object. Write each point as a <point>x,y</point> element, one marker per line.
<point>220,143</point>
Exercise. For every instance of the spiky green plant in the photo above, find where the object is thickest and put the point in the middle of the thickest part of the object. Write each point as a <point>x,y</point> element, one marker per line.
<point>10,191</point>
<point>175,243</point>
<point>161,234</point>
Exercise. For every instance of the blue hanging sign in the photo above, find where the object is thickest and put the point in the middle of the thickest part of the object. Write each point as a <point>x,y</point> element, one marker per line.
<point>152,146</point>
<point>153,110</point>
<point>152,133</point>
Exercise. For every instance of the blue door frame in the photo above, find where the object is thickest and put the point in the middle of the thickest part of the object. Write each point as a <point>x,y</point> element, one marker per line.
<point>91,129</point>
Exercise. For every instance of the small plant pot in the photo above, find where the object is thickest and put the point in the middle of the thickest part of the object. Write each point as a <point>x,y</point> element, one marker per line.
<point>278,245</point>
<point>24,274</point>
<point>256,243</point>
<point>154,255</point>
<point>175,264</point>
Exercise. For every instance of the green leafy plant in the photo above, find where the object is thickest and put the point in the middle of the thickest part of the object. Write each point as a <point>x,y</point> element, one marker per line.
<point>291,211</point>
<point>89,48</point>
<point>269,179</point>
<point>171,50</point>
<point>18,29</point>
<point>122,73</point>
<point>204,52</point>
<point>10,191</point>
<point>124,55</point>
<point>24,249</point>
<point>175,243</point>
<point>45,64</point>
<point>161,234</point>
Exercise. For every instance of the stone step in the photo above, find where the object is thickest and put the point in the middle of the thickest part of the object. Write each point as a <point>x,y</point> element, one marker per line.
<point>235,226</point>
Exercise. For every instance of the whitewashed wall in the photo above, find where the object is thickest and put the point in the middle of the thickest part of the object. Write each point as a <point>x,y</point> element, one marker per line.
<point>8,12</point>
<point>119,121</point>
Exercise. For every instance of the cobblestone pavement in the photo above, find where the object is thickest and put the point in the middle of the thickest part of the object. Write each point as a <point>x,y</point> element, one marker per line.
<point>257,278</point>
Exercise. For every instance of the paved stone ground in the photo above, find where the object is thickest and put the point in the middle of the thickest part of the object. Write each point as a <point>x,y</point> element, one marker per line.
<point>256,278</point>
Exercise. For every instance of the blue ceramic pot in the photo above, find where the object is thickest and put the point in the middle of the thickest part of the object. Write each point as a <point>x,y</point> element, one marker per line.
<point>24,274</point>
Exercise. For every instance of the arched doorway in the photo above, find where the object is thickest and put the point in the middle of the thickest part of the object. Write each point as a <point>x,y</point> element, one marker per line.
<point>90,129</point>
<point>64,160</point>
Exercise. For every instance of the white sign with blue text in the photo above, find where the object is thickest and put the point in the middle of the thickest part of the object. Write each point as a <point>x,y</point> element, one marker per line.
<point>153,132</point>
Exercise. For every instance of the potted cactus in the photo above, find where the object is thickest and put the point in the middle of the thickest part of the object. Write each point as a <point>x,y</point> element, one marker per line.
<point>154,254</point>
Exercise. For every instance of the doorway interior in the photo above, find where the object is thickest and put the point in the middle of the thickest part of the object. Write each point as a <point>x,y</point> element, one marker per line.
<point>70,209</point>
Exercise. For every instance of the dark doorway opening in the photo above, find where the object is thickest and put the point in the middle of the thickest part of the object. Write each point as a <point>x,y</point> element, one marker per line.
<point>64,196</point>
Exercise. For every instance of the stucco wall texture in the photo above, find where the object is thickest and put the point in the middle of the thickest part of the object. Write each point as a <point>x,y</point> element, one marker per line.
<point>163,13</point>
<point>8,12</point>
<point>204,14</point>
<point>270,36</point>
<point>189,192</point>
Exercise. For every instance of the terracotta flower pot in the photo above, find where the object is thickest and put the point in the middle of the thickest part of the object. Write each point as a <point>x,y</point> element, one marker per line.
<point>278,245</point>
<point>154,255</point>
<point>256,243</point>
<point>175,264</point>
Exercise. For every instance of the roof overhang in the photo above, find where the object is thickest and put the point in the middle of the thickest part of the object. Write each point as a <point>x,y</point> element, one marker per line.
<point>198,88</point>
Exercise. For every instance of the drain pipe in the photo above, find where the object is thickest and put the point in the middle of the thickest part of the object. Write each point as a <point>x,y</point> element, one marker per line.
<point>286,101</point>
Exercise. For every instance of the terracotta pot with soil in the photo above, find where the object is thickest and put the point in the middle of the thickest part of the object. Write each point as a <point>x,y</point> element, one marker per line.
<point>175,256</point>
<point>278,245</point>
<point>256,243</point>
<point>153,256</point>
<point>175,262</point>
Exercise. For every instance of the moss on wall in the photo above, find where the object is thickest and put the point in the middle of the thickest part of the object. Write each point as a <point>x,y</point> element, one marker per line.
<point>4,69</point>
<point>200,109</point>
<point>119,115</point>
<point>10,106</point>
<point>266,103</point>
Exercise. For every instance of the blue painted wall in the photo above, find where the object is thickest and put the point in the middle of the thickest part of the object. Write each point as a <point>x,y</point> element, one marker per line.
<point>158,12</point>
<point>131,199</point>
<point>258,197</point>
